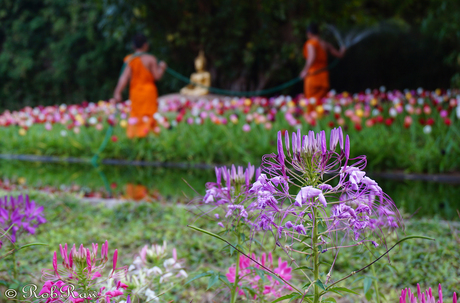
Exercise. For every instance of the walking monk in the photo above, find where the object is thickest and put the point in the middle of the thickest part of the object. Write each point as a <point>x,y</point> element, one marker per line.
<point>315,73</point>
<point>141,70</point>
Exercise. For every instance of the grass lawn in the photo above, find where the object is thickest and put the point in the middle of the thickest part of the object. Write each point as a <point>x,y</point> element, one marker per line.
<point>129,226</point>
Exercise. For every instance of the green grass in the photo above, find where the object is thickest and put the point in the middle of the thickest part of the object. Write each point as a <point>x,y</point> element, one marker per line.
<point>129,226</point>
<point>386,147</point>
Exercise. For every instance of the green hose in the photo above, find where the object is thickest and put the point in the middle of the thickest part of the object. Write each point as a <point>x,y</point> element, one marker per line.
<point>95,158</point>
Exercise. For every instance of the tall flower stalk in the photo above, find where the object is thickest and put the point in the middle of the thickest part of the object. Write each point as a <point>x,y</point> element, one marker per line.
<point>231,205</point>
<point>313,197</point>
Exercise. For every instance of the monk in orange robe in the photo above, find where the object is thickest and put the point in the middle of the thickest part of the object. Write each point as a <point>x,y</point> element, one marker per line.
<point>141,70</point>
<point>315,73</point>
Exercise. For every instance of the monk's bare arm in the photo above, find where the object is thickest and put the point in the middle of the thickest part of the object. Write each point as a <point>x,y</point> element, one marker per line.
<point>336,53</point>
<point>157,69</point>
<point>310,59</point>
<point>311,56</point>
<point>122,82</point>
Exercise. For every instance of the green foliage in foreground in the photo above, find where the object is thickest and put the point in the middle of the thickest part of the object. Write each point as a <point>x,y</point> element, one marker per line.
<point>130,226</point>
<point>386,147</point>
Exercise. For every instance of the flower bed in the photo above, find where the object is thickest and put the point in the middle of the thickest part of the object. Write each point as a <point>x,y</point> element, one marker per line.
<point>413,130</point>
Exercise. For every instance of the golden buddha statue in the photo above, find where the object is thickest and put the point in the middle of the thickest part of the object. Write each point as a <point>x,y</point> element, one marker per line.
<point>201,77</point>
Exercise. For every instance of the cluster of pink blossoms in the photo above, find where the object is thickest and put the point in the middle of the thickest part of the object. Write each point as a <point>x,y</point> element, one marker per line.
<point>427,297</point>
<point>263,286</point>
<point>82,270</point>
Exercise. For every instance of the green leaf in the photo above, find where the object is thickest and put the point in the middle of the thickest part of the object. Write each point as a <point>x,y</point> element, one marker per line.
<point>303,267</point>
<point>212,280</point>
<point>343,289</point>
<point>330,300</point>
<point>250,290</point>
<point>199,276</point>
<point>320,284</point>
<point>7,231</point>
<point>207,232</point>
<point>290,296</point>
<point>225,280</point>
<point>367,284</point>
<point>369,294</point>
<point>31,244</point>
<point>356,280</point>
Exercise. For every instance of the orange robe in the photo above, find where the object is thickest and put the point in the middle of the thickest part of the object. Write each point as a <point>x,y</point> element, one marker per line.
<point>143,95</point>
<point>316,83</point>
<point>136,192</point>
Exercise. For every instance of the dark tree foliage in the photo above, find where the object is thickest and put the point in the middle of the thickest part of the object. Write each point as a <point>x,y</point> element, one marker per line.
<point>55,51</point>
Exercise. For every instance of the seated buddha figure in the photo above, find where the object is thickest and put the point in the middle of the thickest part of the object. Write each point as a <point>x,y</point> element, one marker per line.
<point>201,77</point>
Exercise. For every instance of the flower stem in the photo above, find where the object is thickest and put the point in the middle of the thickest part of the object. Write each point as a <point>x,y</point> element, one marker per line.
<point>235,285</point>
<point>376,284</point>
<point>15,266</point>
<point>315,256</point>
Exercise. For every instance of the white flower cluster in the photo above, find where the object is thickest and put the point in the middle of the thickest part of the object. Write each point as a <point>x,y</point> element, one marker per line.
<point>152,273</point>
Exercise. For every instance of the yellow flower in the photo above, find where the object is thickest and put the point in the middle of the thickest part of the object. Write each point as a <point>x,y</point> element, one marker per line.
<point>123,123</point>
<point>303,103</point>
<point>438,92</point>
<point>345,94</point>
<point>320,109</point>
<point>359,112</point>
<point>408,96</point>
<point>21,180</point>
<point>374,102</point>
<point>247,102</point>
<point>80,119</point>
<point>291,104</point>
<point>22,132</point>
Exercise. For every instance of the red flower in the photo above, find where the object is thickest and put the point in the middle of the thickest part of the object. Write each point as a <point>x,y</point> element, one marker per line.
<point>447,121</point>
<point>336,116</point>
<point>114,138</point>
<point>422,121</point>
<point>430,121</point>
<point>358,127</point>
<point>111,122</point>
<point>389,121</point>
<point>331,124</point>
<point>379,119</point>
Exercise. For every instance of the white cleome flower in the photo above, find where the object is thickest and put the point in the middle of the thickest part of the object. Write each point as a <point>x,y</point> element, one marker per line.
<point>154,270</point>
<point>150,294</point>
<point>165,277</point>
<point>182,273</point>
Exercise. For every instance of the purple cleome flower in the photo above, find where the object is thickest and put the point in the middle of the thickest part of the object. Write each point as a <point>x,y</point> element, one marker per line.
<point>326,182</point>
<point>230,193</point>
<point>23,213</point>
<point>303,180</point>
